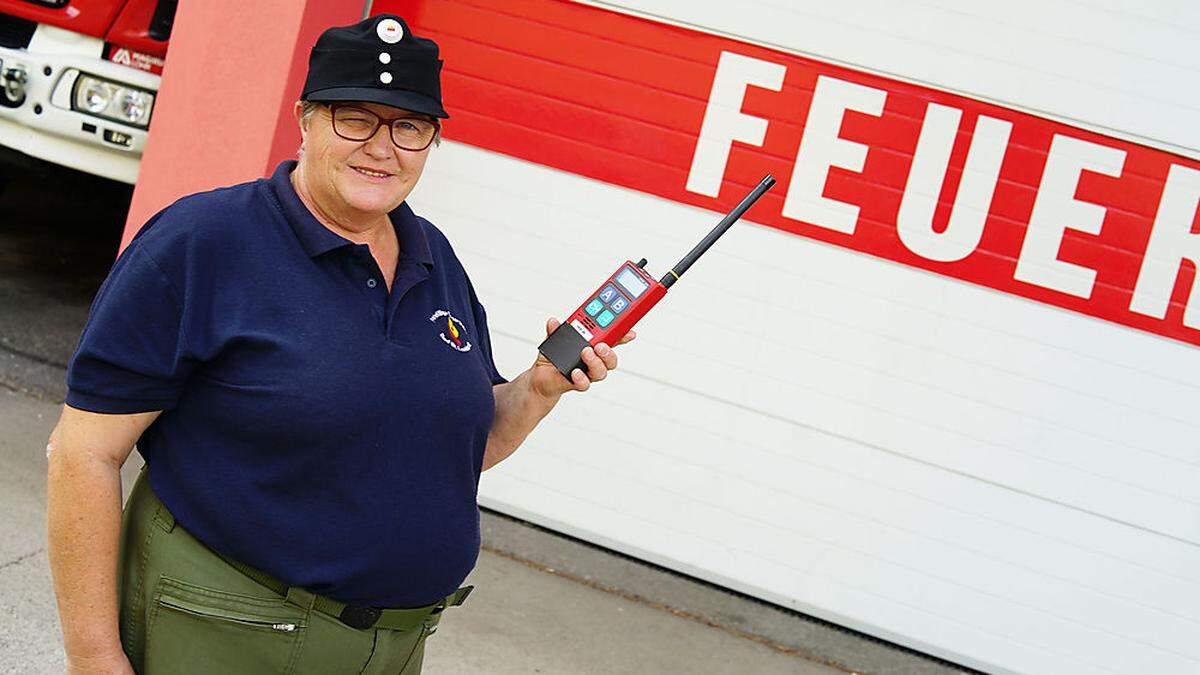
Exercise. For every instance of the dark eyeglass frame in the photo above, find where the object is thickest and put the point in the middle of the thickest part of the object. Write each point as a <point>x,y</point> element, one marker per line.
<point>389,121</point>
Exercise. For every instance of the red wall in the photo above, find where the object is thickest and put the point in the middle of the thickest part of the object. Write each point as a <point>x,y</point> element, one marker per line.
<point>224,112</point>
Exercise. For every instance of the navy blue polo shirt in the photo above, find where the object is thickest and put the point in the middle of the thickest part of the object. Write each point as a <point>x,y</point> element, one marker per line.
<point>316,426</point>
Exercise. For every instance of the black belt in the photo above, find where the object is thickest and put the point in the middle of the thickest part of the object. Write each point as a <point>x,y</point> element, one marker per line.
<point>357,616</point>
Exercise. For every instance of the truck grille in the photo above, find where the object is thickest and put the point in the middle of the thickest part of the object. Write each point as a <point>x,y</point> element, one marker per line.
<point>15,33</point>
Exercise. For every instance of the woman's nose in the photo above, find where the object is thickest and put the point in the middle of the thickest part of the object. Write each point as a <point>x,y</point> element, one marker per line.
<point>380,145</point>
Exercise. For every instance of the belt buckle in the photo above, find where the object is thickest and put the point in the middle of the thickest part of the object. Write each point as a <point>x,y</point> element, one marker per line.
<point>359,617</point>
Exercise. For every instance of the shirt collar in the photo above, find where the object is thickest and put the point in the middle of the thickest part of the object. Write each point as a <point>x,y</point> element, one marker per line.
<point>318,239</point>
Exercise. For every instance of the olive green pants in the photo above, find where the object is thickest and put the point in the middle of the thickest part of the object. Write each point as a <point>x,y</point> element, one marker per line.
<point>185,610</point>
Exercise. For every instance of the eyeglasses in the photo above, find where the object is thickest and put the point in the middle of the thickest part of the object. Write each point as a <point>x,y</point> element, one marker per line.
<point>359,124</point>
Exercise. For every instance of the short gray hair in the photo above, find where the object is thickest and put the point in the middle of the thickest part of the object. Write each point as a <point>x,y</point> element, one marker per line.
<point>307,109</point>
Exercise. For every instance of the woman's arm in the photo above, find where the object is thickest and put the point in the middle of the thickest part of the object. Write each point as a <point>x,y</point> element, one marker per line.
<point>522,403</point>
<point>83,518</point>
<point>518,411</point>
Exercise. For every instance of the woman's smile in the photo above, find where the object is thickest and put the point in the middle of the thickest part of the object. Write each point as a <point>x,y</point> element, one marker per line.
<point>374,175</point>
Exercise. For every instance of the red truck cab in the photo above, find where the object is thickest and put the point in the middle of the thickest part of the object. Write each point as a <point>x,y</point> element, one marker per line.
<point>78,80</point>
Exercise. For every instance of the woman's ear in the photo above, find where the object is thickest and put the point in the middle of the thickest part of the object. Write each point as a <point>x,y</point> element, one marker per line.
<point>298,113</point>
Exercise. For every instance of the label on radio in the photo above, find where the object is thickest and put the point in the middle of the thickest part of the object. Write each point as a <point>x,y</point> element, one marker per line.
<point>587,334</point>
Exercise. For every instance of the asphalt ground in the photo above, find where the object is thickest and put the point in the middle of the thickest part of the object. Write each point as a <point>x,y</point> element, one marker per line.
<point>544,602</point>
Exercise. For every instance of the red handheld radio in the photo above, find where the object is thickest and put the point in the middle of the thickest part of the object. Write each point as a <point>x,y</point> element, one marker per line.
<point>625,297</point>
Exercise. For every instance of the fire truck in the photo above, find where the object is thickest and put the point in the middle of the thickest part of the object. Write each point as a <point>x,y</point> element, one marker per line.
<point>78,79</point>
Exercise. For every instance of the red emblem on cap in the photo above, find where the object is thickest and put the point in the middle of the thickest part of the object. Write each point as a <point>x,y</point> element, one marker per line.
<point>390,31</point>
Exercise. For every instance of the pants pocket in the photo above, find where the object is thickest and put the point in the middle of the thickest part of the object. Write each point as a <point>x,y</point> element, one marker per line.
<point>192,629</point>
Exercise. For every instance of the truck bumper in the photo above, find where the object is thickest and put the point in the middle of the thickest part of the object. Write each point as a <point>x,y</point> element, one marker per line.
<point>43,124</point>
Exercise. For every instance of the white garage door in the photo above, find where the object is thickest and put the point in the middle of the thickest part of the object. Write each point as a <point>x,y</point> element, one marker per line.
<point>964,455</point>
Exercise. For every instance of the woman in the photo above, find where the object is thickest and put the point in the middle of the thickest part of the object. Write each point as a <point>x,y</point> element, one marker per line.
<point>306,368</point>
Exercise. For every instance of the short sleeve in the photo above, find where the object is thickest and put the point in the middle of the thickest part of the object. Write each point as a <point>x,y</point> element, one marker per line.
<point>483,338</point>
<point>131,354</point>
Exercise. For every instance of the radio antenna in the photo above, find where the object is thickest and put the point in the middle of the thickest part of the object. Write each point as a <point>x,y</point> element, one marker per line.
<point>709,239</point>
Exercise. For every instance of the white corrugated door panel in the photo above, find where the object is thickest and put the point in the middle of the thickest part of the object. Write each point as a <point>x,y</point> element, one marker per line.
<point>996,481</point>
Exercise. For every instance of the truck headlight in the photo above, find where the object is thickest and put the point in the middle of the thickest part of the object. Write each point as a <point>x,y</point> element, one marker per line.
<point>112,100</point>
<point>95,97</point>
<point>134,105</point>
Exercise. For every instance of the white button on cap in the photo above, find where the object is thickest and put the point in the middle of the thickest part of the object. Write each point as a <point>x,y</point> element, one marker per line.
<point>385,57</point>
<point>385,77</point>
<point>390,31</point>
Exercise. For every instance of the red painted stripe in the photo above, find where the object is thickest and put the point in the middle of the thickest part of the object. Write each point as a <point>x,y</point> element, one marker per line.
<point>131,29</point>
<point>90,17</point>
<point>621,99</point>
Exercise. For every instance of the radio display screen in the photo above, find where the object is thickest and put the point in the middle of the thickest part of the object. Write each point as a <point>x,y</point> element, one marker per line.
<point>631,282</point>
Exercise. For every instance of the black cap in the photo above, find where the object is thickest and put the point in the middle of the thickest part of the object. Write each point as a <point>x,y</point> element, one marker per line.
<point>377,60</point>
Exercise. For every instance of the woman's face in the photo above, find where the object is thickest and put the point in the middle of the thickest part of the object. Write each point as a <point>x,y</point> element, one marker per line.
<point>334,169</point>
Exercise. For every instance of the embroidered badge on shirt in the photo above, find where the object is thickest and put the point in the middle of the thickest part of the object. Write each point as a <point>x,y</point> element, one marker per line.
<point>452,332</point>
